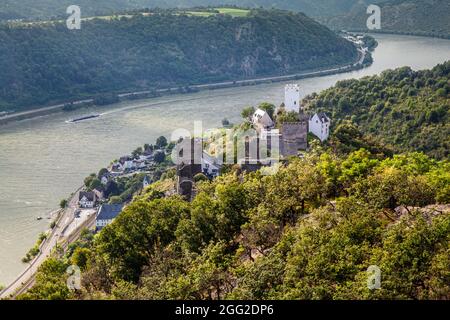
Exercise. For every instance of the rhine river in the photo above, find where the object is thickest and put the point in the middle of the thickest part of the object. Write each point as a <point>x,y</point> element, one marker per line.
<point>43,160</point>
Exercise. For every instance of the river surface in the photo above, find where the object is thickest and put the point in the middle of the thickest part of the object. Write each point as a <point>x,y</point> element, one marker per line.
<point>43,160</point>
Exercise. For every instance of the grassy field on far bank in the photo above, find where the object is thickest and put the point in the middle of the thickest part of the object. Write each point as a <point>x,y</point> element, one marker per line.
<point>234,12</point>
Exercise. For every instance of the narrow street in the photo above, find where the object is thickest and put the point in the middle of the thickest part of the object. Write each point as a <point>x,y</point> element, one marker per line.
<point>66,230</point>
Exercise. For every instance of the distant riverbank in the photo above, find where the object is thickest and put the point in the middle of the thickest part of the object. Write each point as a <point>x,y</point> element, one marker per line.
<point>402,33</point>
<point>359,64</point>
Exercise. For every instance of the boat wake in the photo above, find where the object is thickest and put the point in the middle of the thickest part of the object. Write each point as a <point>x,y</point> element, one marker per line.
<point>92,116</point>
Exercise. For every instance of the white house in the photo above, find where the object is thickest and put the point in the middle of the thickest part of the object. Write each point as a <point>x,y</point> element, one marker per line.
<point>292,98</point>
<point>127,163</point>
<point>139,164</point>
<point>261,119</point>
<point>146,156</point>
<point>87,199</point>
<point>210,165</point>
<point>319,125</point>
<point>116,169</point>
<point>106,214</point>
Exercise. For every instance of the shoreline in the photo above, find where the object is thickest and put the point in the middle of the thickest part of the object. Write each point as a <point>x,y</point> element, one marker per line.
<point>400,33</point>
<point>137,95</point>
<point>26,278</point>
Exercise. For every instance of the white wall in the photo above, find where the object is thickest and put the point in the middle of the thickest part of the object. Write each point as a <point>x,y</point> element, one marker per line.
<point>292,97</point>
<point>86,204</point>
<point>102,223</point>
<point>319,129</point>
<point>262,119</point>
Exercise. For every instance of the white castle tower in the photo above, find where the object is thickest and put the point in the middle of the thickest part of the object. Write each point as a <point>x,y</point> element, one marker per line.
<point>292,97</point>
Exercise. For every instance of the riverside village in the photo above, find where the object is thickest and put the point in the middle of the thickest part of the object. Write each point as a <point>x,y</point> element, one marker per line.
<point>266,138</point>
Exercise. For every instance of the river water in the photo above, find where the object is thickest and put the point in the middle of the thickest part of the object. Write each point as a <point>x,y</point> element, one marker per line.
<point>43,160</point>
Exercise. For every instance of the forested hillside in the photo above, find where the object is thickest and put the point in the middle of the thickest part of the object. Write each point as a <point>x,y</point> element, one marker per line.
<point>42,63</point>
<point>48,9</point>
<point>311,230</point>
<point>418,17</point>
<point>423,17</point>
<point>409,110</point>
<point>45,9</point>
<point>308,232</point>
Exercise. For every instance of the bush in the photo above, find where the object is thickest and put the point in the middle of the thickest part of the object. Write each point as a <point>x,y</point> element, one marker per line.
<point>115,200</point>
<point>159,157</point>
<point>63,204</point>
<point>200,177</point>
<point>225,122</point>
<point>161,142</point>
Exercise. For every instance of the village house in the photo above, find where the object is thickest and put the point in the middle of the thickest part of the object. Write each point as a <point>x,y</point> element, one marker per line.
<point>116,168</point>
<point>143,157</point>
<point>261,120</point>
<point>319,125</point>
<point>106,214</point>
<point>126,163</point>
<point>139,164</point>
<point>87,199</point>
<point>210,165</point>
<point>147,155</point>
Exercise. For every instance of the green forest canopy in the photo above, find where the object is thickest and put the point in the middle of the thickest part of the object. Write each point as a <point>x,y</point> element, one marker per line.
<point>44,63</point>
<point>407,109</point>
<point>415,17</point>
<point>424,17</point>
<point>308,232</point>
<point>45,9</point>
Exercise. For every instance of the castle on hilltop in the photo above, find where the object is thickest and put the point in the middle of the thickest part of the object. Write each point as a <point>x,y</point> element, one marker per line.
<point>318,123</point>
<point>273,139</point>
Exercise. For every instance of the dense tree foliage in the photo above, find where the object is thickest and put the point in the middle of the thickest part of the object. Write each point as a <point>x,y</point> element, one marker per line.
<point>409,110</point>
<point>44,9</point>
<point>415,17</point>
<point>50,283</point>
<point>422,17</point>
<point>43,63</point>
<point>308,232</point>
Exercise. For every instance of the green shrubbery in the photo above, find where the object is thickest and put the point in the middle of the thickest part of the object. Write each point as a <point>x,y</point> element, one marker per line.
<point>308,232</point>
<point>33,252</point>
<point>405,109</point>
